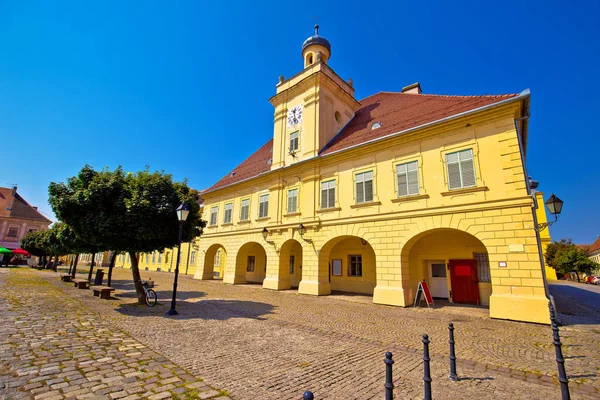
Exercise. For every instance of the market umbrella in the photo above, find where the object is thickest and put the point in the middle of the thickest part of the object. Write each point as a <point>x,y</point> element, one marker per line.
<point>4,251</point>
<point>21,252</point>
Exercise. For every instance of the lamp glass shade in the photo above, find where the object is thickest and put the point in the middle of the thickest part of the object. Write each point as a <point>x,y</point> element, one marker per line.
<point>265,233</point>
<point>182,212</point>
<point>301,229</point>
<point>554,204</point>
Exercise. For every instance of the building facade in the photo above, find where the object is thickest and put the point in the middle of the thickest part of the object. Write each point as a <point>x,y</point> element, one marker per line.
<point>17,218</point>
<point>377,195</point>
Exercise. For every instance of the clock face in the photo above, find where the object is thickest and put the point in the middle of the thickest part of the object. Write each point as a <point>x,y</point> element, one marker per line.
<point>294,116</point>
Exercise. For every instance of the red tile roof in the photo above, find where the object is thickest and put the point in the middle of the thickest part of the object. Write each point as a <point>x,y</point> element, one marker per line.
<point>594,246</point>
<point>16,207</point>
<point>395,111</point>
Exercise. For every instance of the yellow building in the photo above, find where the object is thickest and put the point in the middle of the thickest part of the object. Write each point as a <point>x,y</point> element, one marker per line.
<point>166,260</point>
<point>375,195</point>
<point>545,238</point>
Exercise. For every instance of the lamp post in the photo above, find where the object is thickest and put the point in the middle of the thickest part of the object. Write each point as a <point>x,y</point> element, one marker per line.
<point>182,213</point>
<point>554,205</point>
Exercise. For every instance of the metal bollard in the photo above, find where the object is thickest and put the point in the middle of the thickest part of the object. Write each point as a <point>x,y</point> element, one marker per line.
<point>389,384</point>
<point>308,395</point>
<point>453,376</point>
<point>426,369</point>
<point>562,373</point>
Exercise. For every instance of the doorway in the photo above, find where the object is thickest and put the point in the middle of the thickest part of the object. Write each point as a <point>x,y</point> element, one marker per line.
<point>463,278</point>
<point>438,281</point>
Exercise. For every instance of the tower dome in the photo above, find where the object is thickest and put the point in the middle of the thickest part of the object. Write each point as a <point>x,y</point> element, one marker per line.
<point>315,48</point>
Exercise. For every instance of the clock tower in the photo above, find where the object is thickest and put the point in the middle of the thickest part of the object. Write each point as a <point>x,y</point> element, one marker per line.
<point>311,107</point>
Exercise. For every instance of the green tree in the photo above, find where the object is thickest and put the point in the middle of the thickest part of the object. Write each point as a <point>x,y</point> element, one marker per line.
<point>126,212</point>
<point>34,243</point>
<point>565,257</point>
<point>45,243</point>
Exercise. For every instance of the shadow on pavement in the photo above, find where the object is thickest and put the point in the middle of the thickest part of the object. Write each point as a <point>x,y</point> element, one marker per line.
<point>577,303</point>
<point>220,310</point>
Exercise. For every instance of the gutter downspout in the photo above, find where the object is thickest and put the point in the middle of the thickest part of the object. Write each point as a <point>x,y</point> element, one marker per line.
<point>533,209</point>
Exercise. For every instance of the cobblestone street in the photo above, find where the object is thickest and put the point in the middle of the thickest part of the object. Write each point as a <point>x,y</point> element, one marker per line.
<point>256,343</point>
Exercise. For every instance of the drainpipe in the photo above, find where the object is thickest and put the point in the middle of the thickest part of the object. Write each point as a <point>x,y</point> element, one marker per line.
<point>533,209</point>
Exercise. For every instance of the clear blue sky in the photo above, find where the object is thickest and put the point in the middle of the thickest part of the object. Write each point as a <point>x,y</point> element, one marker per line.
<point>184,86</point>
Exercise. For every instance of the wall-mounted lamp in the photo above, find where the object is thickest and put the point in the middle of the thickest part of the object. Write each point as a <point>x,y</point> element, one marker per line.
<point>265,235</point>
<point>363,241</point>
<point>554,205</point>
<point>302,231</point>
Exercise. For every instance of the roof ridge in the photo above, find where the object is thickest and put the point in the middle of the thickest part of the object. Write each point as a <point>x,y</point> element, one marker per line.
<point>468,96</point>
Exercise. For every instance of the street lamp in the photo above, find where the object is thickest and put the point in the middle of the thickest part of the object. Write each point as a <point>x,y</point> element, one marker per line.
<point>554,205</point>
<point>302,231</point>
<point>182,213</point>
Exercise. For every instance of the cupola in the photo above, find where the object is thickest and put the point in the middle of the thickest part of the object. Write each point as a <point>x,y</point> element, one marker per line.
<point>316,48</point>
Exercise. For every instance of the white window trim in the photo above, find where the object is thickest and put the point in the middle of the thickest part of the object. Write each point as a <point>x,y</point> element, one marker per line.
<point>225,221</point>
<point>213,208</point>
<point>335,190</point>
<point>364,200</point>
<point>260,196</point>
<point>242,207</point>
<point>288,211</point>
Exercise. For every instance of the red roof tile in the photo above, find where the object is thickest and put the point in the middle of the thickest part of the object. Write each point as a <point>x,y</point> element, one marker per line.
<point>16,207</point>
<point>401,111</point>
<point>595,246</point>
<point>395,111</point>
<point>253,166</point>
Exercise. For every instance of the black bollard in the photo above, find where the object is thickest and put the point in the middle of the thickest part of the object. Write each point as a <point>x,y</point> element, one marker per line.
<point>453,376</point>
<point>308,395</point>
<point>426,369</point>
<point>389,384</point>
<point>562,373</point>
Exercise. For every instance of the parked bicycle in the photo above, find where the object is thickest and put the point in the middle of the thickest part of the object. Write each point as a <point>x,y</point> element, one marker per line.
<point>150,294</point>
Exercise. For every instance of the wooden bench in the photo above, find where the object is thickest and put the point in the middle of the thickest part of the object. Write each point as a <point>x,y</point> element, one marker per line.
<point>81,283</point>
<point>102,291</point>
<point>65,278</point>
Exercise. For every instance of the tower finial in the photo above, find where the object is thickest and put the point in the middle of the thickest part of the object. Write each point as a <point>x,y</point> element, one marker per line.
<point>316,29</point>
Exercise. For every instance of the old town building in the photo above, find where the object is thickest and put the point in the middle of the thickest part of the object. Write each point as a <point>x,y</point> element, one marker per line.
<point>376,195</point>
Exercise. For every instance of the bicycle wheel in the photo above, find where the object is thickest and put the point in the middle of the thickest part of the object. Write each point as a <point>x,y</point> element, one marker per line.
<point>151,298</point>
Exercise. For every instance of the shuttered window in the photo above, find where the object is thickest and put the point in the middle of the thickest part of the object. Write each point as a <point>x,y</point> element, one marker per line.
<point>355,265</point>
<point>245,210</point>
<point>407,176</point>
<point>483,267</point>
<point>263,206</point>
<point>364,187</point>
<point>328,194</point>
<point>294,141</point>
<point>193,257</point>
<point>292,203</point>
<point>228,210</point>
<point>213,215</point>
<point>461,170</point>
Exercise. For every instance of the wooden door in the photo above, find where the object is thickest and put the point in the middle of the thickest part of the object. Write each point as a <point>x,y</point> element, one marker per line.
<point>463,278</point>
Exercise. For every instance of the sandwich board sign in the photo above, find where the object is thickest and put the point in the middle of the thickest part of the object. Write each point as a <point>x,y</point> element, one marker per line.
<point>423,291</point>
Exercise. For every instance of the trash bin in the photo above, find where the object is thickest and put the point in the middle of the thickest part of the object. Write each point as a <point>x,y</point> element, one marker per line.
<point>99,277</point>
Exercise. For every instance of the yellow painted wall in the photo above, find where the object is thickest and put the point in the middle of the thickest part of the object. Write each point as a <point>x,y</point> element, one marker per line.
<point>345,283</point>
<point>166,262</point>
<point>545,233</point>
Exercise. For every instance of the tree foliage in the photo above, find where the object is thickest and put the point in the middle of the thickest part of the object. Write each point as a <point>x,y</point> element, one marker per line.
<point>564,256</point>
<point>125,212</point>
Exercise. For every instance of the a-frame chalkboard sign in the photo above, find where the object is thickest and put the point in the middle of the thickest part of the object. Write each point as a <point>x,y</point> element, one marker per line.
<point>423,289</point>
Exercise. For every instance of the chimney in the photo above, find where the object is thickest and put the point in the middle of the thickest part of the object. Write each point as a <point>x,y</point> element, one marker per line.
<point>14,191</point>
<point>415,88</point>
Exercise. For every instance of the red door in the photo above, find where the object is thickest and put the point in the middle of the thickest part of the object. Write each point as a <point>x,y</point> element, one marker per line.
<point>463,278</point>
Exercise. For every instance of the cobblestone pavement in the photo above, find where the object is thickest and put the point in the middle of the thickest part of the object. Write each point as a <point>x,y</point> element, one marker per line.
<point>274,345</point>
<point>54,347</point>
<point>578,303</point>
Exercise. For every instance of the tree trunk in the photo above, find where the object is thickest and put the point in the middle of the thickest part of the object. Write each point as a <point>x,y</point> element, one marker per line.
<point>113,259</point>
<point>49,263</point>
<point>74,270</point>
<point>137,281</point>
<point>55,265</point>
<point>91,267</point>
<point>71,258</point>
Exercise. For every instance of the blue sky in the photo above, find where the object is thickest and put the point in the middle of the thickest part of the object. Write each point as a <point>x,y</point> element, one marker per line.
<point>184,86</point>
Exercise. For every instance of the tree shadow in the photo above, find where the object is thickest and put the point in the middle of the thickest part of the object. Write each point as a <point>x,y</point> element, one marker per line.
<point>220,310</point>
<point>581,376</point>
<point>472,378</point>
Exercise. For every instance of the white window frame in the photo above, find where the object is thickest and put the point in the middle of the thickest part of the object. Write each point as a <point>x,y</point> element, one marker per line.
<point>462,157</point>
<point>361,180</point>
<point>409,167</point>
<point>217,259</point>
<point>214,214</point>
<point>292,262</point>
<point>246,208</point>
<point>228,213</point>
<point>250,267</point>
<point>483,267</point>
<point>294,141</point>
<point>263,205</point>
<point>329,186</point>
<point>295,201</point>
<point>193,257</point>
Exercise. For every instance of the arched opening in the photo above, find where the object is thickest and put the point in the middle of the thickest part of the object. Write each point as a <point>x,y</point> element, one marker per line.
<point>251,262</point>
<point>454,264</point>
<point>309,59</point>
<point>350,262</point>
<point>290,262</point>
<point>215,260</point>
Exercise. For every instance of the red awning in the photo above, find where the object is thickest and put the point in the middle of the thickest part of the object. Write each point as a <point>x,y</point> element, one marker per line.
<point>21,252</point>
